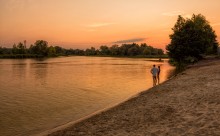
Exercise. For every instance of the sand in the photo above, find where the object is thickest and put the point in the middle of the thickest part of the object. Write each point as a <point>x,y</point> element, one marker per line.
<point>186,105</point>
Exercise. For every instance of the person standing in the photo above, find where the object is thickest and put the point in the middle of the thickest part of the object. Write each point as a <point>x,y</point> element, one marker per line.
<point>158,75</point>
<point>154,72</point>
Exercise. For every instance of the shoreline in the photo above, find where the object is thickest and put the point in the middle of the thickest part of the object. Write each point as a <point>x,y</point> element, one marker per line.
<point>34,56</point>
<point>70,123</point>
<point>173,107</point>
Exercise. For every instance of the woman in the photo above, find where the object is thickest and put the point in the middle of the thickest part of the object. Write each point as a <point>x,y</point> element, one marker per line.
<point>158,75</point>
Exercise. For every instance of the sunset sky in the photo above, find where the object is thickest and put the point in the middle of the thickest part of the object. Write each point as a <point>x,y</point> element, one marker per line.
<point>86,23</point>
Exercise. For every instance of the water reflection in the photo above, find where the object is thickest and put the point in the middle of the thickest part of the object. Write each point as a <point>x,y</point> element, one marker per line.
<point>39,71</point>
<point>19,68</point>
<point>49,92</point>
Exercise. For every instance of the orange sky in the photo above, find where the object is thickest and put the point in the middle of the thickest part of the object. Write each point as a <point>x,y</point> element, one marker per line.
<point>86,23</point>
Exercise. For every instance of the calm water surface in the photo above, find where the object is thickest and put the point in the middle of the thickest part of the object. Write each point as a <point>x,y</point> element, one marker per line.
<point>37,95</point>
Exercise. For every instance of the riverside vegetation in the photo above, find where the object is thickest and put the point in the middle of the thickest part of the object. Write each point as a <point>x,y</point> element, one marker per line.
<point>192,39</point>
<point>42,49</point>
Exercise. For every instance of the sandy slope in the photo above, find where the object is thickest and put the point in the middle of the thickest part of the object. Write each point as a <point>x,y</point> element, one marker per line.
<point>188,104</point>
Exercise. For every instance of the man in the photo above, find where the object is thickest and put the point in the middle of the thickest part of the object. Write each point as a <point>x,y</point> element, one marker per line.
<point>154,72</point>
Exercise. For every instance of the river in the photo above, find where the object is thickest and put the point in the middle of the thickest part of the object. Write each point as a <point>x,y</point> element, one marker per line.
<point>40,94</point>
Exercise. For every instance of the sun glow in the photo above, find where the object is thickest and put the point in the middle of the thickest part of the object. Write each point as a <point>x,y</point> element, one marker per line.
<point>85,23</point>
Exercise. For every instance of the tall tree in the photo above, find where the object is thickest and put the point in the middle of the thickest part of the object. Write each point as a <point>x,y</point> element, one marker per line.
<point>191,38</point>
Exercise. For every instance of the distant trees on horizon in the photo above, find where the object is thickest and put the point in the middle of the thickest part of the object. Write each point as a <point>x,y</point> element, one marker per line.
<point>41,49</point>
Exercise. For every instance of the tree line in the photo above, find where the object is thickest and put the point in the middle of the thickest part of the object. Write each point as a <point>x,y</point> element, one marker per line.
<point>41,49</point>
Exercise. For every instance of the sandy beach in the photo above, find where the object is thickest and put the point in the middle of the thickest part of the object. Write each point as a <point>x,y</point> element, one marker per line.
<point>186,105</point>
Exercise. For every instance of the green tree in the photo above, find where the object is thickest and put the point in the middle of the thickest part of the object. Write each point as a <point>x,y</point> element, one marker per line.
<point>124,49</point>
<point>79,52</point>
<point>59,50</point>
<point>1,50</point>
<point>133,51</point>
<point>114,50</point>
<point>146,51</point>
<point>191,39</point>
<point>14,49</point>
<point>91,51</point>
<point>104,50</point>
<point>51,51</point>
<point>19,49</point>
<point>39,48</point>
<point>160,52</point>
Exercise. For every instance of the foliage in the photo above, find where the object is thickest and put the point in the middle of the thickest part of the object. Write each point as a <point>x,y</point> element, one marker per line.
<point>39,48</point>
<point>42,49</point>
<point>191,39</point>
<point>19,49</point>
<point>90,52</point>
<point>51,51</point>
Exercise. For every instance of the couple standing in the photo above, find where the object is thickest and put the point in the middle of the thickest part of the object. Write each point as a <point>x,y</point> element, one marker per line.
<point>156,75</point>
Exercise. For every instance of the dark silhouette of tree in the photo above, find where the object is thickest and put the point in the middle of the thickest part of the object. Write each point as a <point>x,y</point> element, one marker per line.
<point>14,49</point>
<point>19,49</point>
<point>1,50</point>
<point>39,48</point>
<point>51,51</point>
<point>5,51</point>
<point>191,39</point>
<point>160,52</point>
<point>114,50</point>
<point>133,50</point>
<point>60,50</point>
<point>79,52</point>
<point>42,49</point>
<point>91,51</point>
<point>104,50</point>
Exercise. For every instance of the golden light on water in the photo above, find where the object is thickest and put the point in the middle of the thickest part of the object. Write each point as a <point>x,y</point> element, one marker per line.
<point>41,94</point>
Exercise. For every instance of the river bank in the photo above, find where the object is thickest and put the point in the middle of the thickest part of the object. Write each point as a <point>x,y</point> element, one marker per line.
<point>187,104</point>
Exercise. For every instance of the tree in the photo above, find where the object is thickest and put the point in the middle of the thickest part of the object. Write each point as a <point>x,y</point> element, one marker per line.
<point>39,48</point>
<point>51,51</point>
<point>133,51</point>
<point>79,52</point>
<point>91,51</point>
<point>191,39</point>
<point>160,52</point>
<point>104,50</point>
<point>20,48</point>
<point>1,50</point>
<point>146,51</point>
<point>59,50</point>
<point>114,50</point>
<point>15,49</point>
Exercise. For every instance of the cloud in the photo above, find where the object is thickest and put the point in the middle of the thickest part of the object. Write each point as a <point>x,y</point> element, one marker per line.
<point>172,13</point>
<point>96,25</point>
<point>130,40</point>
